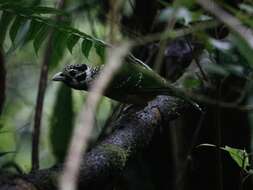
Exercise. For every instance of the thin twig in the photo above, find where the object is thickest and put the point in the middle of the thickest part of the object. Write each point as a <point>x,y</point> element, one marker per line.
<point>39,105</point>
<point>232,22</point>
<point>204,75</point>
<point>82,134</point>
<point>175,33</point>
<point>170,25</point>
<point>40,98</point>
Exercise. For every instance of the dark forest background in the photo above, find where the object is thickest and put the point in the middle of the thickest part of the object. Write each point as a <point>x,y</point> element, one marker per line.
<point>203,50</point>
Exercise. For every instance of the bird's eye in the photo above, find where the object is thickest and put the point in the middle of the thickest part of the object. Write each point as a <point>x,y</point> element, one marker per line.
<point>72,72</point>
<point>81,77</point>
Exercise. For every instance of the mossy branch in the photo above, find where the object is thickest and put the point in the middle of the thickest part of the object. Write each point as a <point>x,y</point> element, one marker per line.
<point>134,131</point>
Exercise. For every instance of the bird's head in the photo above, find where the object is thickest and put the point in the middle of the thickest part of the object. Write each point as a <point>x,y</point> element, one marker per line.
<point>77,76</point>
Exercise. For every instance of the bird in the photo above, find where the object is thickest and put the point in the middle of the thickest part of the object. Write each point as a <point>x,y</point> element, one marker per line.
<point>134,83</point>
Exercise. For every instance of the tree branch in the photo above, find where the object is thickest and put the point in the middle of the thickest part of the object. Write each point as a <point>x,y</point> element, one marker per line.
<point>133,133</point>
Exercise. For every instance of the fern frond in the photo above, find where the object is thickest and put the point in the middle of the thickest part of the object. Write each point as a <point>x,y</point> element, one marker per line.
<point>40,25</point>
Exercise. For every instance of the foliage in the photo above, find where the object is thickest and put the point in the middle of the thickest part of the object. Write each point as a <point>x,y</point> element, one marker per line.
<point>38,27</point>
<point>241,157</point>
<point>61,123</point>
<point>25,26</point>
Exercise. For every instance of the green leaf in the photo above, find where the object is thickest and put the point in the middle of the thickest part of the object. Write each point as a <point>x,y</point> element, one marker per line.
<point>15,27</point>
<point>28,10</point>
<point>191,82</point>
<point>71,42</point>
<point>61,123</point>
<point>243,48</point>
<point>34,28</point>
<point>6,19</point>
<point>100,49</point>
<point>86,47</point>
<point>59,40</point>
<point>59,43</point>
<point>47,10</point>
<point>216,69</point>
<point>11,6</point>
<point>40,38</point>
<point>5,153</point>
<point>240,156</point>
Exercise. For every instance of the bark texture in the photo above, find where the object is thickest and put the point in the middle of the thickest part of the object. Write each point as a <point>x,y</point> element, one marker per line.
<point>133,133</point>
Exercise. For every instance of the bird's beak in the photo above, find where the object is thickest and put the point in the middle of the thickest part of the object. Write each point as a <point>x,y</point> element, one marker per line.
<point>58,77</point>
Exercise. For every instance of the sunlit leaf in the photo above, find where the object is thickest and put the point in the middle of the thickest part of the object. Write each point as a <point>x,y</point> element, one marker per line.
<point>240,156</point>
